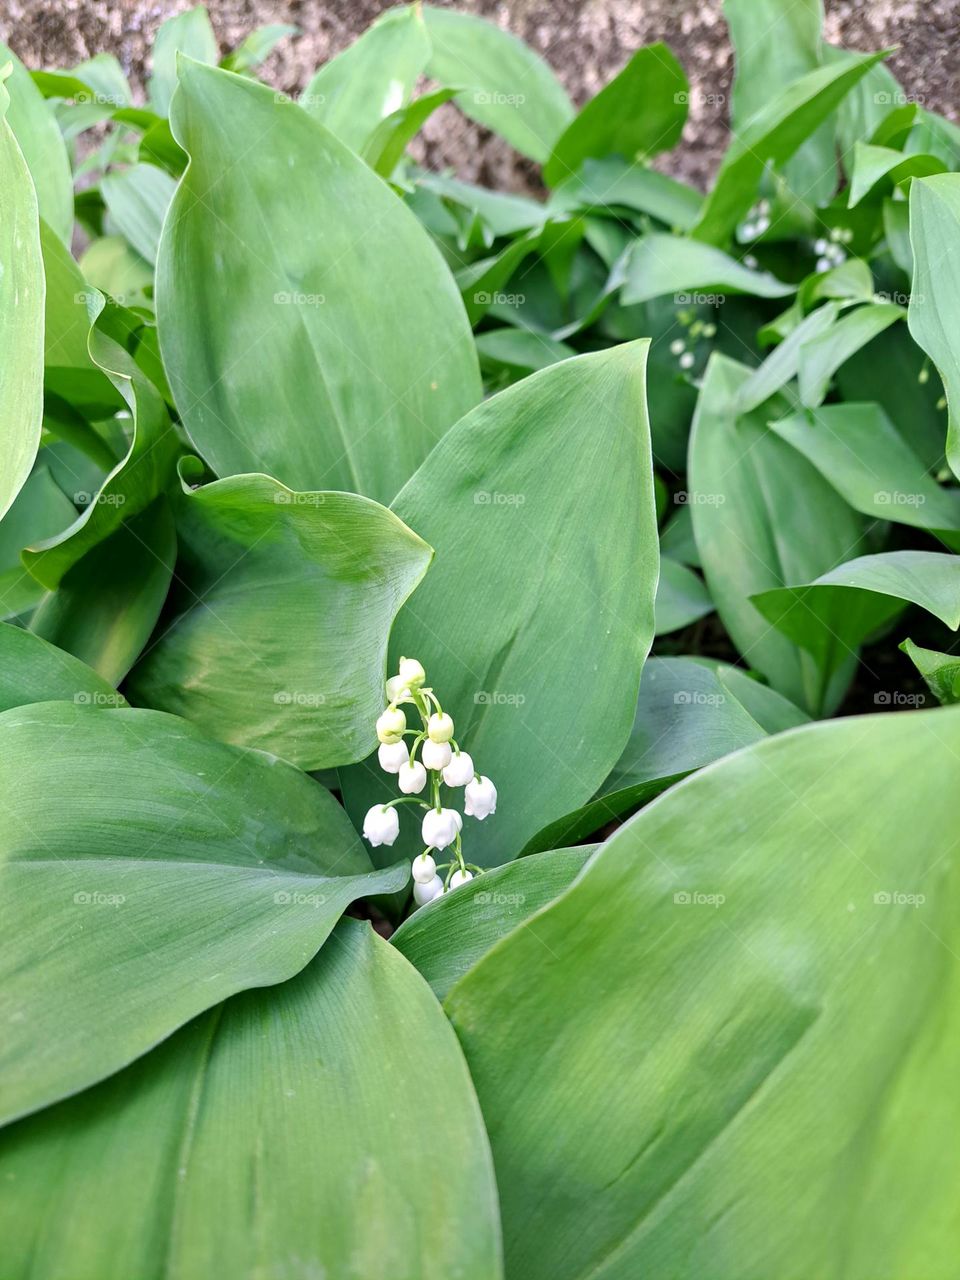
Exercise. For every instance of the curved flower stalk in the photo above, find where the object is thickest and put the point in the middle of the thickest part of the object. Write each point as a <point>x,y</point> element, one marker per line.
<point>441,763</point>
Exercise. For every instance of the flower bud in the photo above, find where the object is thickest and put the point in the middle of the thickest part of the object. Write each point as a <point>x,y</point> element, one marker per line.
<point>396,689</point>
<point>381,825</point>
<point>460,877</point>
<point>392,755</point>
<point>459,771</point>
<point>423,868</point>
<point>436,755</point>
<point>424,893</point>
<point>441,828</point>
<point>391,724</point>
<point>480,799</point>
<point>440,727</point>
<point>412,778</point>
<point>412,673</point>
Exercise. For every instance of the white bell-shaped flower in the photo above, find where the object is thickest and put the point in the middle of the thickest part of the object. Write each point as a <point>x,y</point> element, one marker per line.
<point>412,673</point>
<point>423,868</point>
<point>412,778</point>
<point>440,727</point>
<point>441,827</point>
<point>397,689</point>
<point>480,799</point>
<point>424,893</point>
<point>392,755</point>
<point>436,755</point>
<point>381,825</point>
<point>391,725</point>
<point>459,771</point>
<point>460,877</point>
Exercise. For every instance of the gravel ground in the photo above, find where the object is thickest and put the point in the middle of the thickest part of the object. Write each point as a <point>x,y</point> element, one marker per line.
<point>586,41</point>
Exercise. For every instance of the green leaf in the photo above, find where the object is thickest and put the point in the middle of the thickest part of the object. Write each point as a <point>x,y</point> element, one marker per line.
<point>41,510</point>
<point>771,136</point>
<point>832,616</point>
<point>189,33</point>
<point>640,112</point>
<point>507,87</point>
<point>682,597</point>
<point>35,128</point>
<point>137,200</point>
<point>108,603</point>
<point>307,1087</point>
<point>448,936</point>
<point>783,363</point>
<point>372,78</point>
<point>775,43</point>
<point>21,312</point>
<point>171,872</point>
<point>519,351</point>
<point>822,356</point>
<point>335,568</point>
<point>748,995</point>
<point>33,671</point>
<point>615,183</point>
<point>520,603</point>
<point>339,395</point>
<point>875,165</point>
<point>763,517</point>
<point>384,149</point>
<point>257,46</point>
<point>858,450</point>
<point>659,264</point>
<point>934,309</point>
<point>941,671</point>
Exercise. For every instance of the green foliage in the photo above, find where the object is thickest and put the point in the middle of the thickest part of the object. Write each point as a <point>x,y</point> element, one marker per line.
<point>640,480</point>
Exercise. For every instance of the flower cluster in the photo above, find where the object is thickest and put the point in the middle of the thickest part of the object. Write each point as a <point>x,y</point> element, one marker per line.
<point>441,763</point>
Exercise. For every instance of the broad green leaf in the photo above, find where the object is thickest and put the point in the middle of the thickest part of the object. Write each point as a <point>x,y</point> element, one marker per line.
<point>763,517</point>
<point>507,87</point>
<point>107,604</point>
<point>775,43</point>
<point>372,78</point>
<point>171,872</point>
<point>113,267</point>
<point>257,46</point>
<point>682,597</point>
<point>41,510</point>
<point>875,165</point>
<point>822,355</point>
<point>615,183</point>
<point>528,632</point>
<point>339,395</point>
<point>519,350</point>
<point>783,363</point>
<point>277,631</point>
<point>44,153</point>
<point>864,109</point>
<point>858,450</point>
<point>771,136</point>
<point>137,200</point>
<point>189,33</point>
<point>934,311</point>
<point>448,936</point>
<point>503,213</point>
<point>384,149</point>
<point>750,997</point>
<point>640,112</point>
<point>940,671</point>
<point>21,312</point>
<point>660,264</point>
<point>832,616</point>
<point>33,671</point>
<point>307,1096</point>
